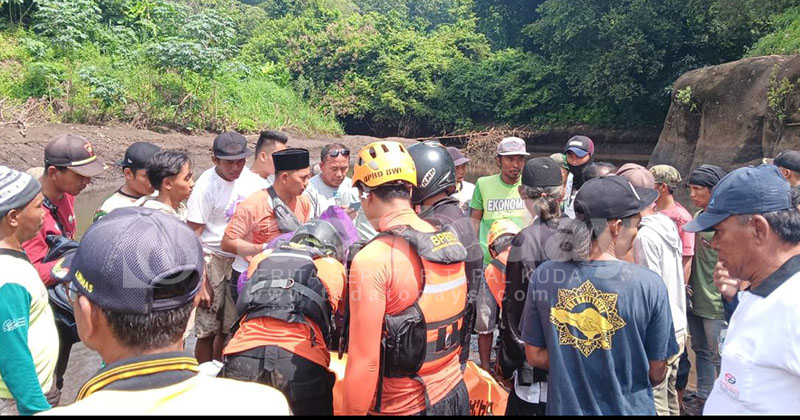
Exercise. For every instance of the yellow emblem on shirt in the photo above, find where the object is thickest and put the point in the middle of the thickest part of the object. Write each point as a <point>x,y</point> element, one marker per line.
<point>586,318</point>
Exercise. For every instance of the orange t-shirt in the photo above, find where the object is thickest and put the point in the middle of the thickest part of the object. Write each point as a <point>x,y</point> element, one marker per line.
<point>254,221</point>
<point>385,278</point>
<point>496,279</point>
<point>290,336</point>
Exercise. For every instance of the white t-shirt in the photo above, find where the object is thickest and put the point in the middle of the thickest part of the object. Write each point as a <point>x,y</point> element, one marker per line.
<point>760,370</point>
<point>323,196</point>
<point>213,202</point>
<point>464,196</point>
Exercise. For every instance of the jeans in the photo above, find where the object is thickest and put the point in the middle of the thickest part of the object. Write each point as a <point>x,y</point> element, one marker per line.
<point>705,335</point>
<point>307,386</point>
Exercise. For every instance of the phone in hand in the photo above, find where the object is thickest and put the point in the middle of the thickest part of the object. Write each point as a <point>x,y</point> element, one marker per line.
<point>355,206</point>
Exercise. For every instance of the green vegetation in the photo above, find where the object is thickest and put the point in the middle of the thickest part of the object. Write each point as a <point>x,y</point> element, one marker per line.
<point>408,67</point>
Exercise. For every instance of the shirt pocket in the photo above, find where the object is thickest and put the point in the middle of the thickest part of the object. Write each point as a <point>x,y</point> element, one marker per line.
<point>736,378</point>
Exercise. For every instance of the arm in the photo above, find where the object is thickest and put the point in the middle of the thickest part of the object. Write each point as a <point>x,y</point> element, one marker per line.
<point>16,366</point>
<point>476,213</point>
<point>537,357</point>
<point>475,220</point>
<point>687,268</point>
<point>240,225</point>
<point>198,228</point>
<point>367,309</point>
<point>658,372</point>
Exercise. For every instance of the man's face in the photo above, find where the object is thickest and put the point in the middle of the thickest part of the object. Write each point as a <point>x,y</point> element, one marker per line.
<point>511,166</point>
<point>296,181</point>
<point>334,170</point>
<point>733,241</point>
<point>182,183</point>
<point>229,170</point>
<point>700,196</point>
<point>31,219</point>
<point>627,233</point>
<point>136,180</point>
<point>574,160</point>
<point>267,157</point>
<point>68,181</point>
<point>461,172</point>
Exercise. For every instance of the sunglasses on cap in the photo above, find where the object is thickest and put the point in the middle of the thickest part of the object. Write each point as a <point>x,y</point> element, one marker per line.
<point>337,152</point>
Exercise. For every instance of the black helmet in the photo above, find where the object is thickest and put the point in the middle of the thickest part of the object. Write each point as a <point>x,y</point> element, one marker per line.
<point>319,234</point>
<point>435,170</point>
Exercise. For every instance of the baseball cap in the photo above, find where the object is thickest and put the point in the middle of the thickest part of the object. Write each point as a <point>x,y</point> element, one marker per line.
<point>137,155</point>
<point>665,174</point>
<point>541,172</point>
<point>73,152</point>
<point>612,197</point>
<point>749,190</point>
<point>637,175</point>
<point>789,159</point>
<point>458,157</point>
<point>511,146</point>
<point>126,257</point>
<point>580,145</point>
<point>561,159</point>
<point>231,146</point>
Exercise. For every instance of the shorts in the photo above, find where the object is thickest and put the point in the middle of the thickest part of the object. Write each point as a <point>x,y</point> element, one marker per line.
<point>220,317</point>
<point>486,306</point>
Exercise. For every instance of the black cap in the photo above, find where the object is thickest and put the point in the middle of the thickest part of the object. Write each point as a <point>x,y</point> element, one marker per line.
<point>541,172</point>
<point>231,146</point>
<point>290,160</point>
<point>73,152</point>
<point>789,159</point>
<point>125,257</point>
<point>612,197</point>
<point>137,155</point>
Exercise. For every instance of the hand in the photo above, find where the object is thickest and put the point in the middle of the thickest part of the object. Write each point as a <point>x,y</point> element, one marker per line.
<point>726,285</point>
<point>351,212</point>
<point>206,294</point>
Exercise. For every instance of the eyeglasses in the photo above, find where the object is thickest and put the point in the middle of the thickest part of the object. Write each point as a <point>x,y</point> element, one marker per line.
<point>72,292</point>
<point>337,152</point>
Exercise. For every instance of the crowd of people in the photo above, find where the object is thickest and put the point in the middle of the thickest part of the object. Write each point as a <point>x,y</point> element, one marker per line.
<point>582,283</point>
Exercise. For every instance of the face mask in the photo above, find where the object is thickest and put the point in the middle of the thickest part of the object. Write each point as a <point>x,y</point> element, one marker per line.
<point>577,173</point>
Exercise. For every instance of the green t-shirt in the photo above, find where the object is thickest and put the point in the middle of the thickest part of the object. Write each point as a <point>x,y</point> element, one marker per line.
<point>706,300</point>
<point>498,200</point>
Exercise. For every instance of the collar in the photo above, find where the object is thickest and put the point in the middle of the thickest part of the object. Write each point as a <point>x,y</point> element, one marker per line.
<point>140,373</point>
<point>122,193</point>
<point>14,253</point>
<point>776,279</point>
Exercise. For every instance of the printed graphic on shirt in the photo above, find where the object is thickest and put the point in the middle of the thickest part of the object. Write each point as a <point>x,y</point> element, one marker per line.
<point>13,324</point>
<point>505,204</point>
<point>586,318</point>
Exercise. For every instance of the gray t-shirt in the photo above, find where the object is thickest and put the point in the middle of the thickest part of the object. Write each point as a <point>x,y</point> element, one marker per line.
<point>323,195</point>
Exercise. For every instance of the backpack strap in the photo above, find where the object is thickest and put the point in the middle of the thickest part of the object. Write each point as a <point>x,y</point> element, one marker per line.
<point>287,222</point>
<point>499,265</point>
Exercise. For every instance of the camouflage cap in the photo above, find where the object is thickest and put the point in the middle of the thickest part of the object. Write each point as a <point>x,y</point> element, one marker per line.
<point>561,159</point>
<point>665,174</point>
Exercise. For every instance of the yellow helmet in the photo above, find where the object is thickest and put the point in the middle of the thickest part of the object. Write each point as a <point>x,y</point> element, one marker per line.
<point>383,162</point>
<point>499,228</point>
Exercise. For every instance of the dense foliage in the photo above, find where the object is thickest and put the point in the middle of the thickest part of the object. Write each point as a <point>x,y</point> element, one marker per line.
<point>384,66</point>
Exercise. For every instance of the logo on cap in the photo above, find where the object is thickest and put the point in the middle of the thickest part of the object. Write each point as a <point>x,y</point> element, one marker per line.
<point>88,147</point>
<point>576,143</point>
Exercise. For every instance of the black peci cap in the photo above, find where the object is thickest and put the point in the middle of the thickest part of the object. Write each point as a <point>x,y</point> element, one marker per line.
<point>290,160</point>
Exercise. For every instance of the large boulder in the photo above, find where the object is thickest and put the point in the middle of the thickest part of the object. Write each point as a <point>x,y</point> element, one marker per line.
<point>733,114</point>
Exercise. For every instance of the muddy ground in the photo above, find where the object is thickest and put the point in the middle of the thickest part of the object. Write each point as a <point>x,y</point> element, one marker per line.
<point>110,142</point>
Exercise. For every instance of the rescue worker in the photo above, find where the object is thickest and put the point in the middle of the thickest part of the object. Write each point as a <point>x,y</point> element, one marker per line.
<point>388,372</point>
<point>288,348</point>
<point>500,236</point>
<point>434,194</point>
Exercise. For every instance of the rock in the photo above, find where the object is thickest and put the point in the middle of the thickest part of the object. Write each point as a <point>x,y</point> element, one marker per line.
<point>732,115</point>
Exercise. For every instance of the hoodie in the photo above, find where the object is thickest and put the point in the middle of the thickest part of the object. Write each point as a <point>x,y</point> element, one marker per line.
<point>658,247</point>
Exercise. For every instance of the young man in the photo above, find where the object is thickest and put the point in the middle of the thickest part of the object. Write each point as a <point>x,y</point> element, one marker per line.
<point>170,173</point>
<point>70,163</point>
<point>658,247</point>
<point>332,187</point>
<point>384,286</point>
<point>788,162</point>
<point>29,336</point>
<point>269,142</point>
<point>137,184</point>
<point>756,221</point>
<point>496,197</point>
<point>603,327</point>
<point>437,205</point>
<point>210,207</point>
<point>543,193</point>
<point>266,214</point>
<point>667,179</point>
<point>132,284</point>
<point>464,189</point>
<point>706,319</point>
<point>272,345</point>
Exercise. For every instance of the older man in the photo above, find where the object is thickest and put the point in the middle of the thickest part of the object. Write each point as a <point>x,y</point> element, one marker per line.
<point>332,186</point>
<point>757,237</point>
